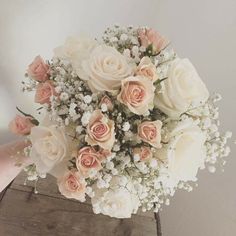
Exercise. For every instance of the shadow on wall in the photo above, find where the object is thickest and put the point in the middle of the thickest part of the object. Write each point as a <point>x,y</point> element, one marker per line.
<point>7,107</point>
<point>6,136</point>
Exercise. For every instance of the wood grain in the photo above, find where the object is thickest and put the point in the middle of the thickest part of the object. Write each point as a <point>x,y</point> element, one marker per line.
<point>48,213</point>
<point>48,187</point>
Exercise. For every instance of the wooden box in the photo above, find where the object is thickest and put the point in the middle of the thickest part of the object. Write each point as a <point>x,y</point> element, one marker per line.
<point>48,213</point>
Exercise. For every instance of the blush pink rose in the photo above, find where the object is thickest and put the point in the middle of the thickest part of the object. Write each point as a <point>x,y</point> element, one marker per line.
<point>151,37</point>
<point>72,185</point>
<point>107,101</point>
<point>100,131</point>
<point>147,69</point>
<point>38,70</point>
<point>137,93</point>
<point>150,132</point>
<point>21,125</point>
<point>88,158</point>
<point>144,153</point>
<point>44,91</point>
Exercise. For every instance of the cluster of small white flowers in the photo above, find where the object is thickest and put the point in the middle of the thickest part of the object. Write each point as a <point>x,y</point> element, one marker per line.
<point>149,185</point>
<point>207,117</point>
<point>76,101</point>
<point>216,144</point>
<point>28,86</point>
<point>125,40</point>
<point>33,175</point>
<point>163,62</point>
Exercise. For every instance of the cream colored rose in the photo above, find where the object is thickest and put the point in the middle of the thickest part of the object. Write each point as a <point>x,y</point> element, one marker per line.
<point>182,90</point>
<point>75,50</point>
<point>147,69</point>
<point>118,201</point>
<point>150,132</point>
<point>49,147</point>
<point>100,131</point>
<point>71,185</point>
<point>185,152</point>
<point>105,68</point>
<point>137,93</point>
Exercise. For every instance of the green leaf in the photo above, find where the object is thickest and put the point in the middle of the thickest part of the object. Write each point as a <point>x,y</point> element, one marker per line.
<point>161,80</point>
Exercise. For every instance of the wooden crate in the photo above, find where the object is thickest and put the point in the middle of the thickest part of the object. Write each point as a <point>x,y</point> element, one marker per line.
<point>48,213</point>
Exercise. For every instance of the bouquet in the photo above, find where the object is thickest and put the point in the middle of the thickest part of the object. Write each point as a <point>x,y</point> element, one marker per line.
<point>123,121</point>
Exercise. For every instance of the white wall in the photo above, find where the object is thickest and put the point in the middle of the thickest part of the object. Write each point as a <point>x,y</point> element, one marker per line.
<point>203,30</point>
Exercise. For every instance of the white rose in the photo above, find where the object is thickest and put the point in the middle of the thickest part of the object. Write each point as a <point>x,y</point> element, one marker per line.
<point>75,50</point>
<point>118,202</point>
<point>182,90</point>
<point>105,68</point>
<point>49,147</point>
<point>185,152</point>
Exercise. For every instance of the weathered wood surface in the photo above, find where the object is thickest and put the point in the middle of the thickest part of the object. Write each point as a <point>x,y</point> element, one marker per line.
<point>48,213</point>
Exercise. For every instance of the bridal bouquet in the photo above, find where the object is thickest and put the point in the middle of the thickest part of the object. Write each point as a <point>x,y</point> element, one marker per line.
<point>126,122</point>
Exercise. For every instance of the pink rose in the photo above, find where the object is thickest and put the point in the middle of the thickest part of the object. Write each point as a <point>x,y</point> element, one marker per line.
<point>38,70</point>
<point>137,93</point>
<point>71,185</point>
<point>151,37</point>
<point>147,69</point>
<point>107,101</point>
<point>150,132</point>
<point>21,125</point>
<point>143,152</point>
<point>88,158</point>
<point>100,131</point>
<point>44,91</point>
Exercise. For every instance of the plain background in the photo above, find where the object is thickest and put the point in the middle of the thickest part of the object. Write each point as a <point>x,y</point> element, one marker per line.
<point>203,30</point>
